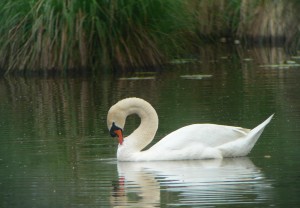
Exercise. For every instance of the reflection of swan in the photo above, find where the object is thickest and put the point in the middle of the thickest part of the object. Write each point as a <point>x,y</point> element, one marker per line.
<point>205,182</point>
<point>198,141</point>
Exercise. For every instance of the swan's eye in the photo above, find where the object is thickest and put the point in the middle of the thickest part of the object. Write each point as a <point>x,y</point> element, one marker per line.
<point>113,130</point>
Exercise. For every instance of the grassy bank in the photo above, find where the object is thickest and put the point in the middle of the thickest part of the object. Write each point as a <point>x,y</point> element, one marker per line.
<point>60,35</point>
<point>53,35</point>
<point>256,21</point>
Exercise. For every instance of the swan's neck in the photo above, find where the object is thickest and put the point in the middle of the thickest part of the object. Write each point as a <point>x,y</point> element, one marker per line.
<point>145,133</point>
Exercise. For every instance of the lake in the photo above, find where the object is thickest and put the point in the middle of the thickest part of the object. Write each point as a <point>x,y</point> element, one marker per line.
<point>56,150</point>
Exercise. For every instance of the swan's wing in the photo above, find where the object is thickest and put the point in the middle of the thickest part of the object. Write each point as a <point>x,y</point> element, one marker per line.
<point>206,135</point>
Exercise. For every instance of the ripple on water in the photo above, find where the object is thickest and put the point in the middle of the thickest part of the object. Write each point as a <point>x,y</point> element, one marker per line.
<point>210,182</point>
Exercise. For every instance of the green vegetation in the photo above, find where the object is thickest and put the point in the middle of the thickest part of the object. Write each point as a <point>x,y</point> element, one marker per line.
<point>261,21</point>
<point>60,35</point>
<point>56,35</point>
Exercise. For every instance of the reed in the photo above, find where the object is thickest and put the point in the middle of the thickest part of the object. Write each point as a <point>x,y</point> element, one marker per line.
<point>60,35</point>
<point>215,19</point>
<point>55,35</point>
<point>273,22</point>
<point>256,21</point>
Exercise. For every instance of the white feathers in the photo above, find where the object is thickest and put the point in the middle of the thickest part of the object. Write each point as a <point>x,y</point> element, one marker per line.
<point>197,141</point>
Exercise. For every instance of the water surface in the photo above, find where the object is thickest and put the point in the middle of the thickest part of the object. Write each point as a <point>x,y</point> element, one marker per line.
<point>55,149</point>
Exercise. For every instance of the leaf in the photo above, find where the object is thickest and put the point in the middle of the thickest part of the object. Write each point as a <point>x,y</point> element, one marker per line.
<point>136,78</point>
<point>196,76</point>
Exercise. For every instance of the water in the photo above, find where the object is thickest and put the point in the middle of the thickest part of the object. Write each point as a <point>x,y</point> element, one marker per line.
<point>55,149</point>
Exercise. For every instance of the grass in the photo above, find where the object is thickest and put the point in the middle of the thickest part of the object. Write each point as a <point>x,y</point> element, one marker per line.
<point>215,18</point>
<point>256,21</point>
<point>272,22</point>
<point>99,35</point>
<point>60,35</point>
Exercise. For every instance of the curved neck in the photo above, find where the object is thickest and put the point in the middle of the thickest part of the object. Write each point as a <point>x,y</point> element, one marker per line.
<point>146,131</point>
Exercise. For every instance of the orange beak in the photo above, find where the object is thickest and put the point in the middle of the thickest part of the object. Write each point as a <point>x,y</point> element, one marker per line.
<point>119,133</point>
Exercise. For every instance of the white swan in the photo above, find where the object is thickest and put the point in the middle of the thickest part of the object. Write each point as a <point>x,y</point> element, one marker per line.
<point>196,141</point>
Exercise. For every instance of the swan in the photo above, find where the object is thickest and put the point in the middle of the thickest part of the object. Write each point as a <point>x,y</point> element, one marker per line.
<point>196,141</point>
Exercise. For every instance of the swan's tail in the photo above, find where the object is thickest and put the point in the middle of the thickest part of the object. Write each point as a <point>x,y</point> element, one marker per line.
<point>243,146</point>
<point>255,133</point>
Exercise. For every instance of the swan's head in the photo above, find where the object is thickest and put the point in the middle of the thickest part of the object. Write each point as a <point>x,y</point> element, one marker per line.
<point>117,114</point>
<point>116,131</point>
<point>116,122</point>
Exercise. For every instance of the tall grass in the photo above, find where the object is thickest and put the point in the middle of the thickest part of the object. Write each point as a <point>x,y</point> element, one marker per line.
<point>214,19</point>
<point>270,21</point>
<point>77,34</point>
<point>260,21</point>
<point>52,35</point>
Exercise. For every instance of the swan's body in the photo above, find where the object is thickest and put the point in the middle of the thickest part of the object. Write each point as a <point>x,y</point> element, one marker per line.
<point>197,141</point>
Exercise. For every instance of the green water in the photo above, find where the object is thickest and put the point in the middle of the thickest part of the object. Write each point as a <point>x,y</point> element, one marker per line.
<point>55,149</point>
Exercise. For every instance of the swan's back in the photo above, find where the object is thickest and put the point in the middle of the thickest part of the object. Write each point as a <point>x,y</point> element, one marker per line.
<point>204,141</point>
<point>210,135</point>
